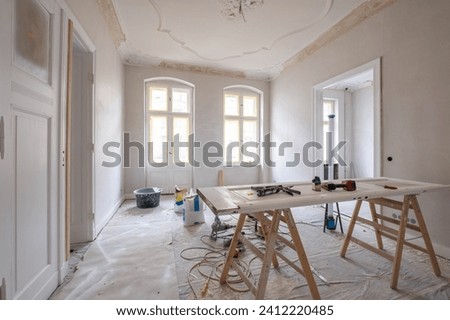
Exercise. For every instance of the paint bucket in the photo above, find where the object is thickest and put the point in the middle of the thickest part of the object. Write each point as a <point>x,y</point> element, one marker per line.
<point>331,223</point>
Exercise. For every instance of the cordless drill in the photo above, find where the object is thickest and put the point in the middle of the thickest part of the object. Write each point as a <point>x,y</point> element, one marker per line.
<point>349,185</point>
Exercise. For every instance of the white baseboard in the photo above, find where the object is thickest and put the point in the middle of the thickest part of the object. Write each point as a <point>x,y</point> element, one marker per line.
<point>442,251</point>
<point>63,271</point>
<point>129,196</point>
<point>439,249</point>
<point>99,227</point>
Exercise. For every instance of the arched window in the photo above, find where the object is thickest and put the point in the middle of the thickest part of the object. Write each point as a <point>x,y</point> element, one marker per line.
<point>241,110</point>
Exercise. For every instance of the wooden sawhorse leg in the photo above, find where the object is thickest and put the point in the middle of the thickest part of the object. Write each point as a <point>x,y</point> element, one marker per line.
<point>232,248</point>
<point>351,226</point>
<point>301,254</point>
<point>269,256</point>
<point>426,235</point>
<point>373,212</point>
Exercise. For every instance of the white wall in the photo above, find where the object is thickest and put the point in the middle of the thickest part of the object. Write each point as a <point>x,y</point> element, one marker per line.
<point>412,38</point>
<point>362,137</point>
<point>108,105</point>
<point>208,119</point>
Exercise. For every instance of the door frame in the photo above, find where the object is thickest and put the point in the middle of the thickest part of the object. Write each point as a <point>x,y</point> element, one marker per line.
<point>83,39</point>
<point>375,66</point>
<point>170,80</point>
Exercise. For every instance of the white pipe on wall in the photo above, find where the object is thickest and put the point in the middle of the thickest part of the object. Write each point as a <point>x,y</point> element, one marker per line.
<point>330,143</point>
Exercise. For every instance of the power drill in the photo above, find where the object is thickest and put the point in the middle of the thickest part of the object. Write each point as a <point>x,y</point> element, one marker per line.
<point>349,185</point>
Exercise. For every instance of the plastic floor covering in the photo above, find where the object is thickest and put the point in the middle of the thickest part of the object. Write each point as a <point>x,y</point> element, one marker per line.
<point>150,254</point>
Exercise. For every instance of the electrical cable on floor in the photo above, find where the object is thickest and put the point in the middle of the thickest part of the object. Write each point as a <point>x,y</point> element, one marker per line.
<point>214,259</point>
<point>214,256</point>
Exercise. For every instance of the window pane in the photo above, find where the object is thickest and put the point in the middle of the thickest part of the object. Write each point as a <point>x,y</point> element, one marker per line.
<point>180,100</point>
<point>231,136</point>
<point>181,128</point>
<point>250,107</point>
<point>328,108</point>
<point>158,138</point>
<point>158,99</point>
<point>250,134</point>
<point>231,105</point>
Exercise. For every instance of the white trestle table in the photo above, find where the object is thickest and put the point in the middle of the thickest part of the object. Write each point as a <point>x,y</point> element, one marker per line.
<point>272,209</point>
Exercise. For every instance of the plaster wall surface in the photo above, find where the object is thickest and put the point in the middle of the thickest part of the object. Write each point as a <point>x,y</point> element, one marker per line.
<point>108,108</point>
<point>411,37</point>
<point>362,132</point>
<point>208,122</point>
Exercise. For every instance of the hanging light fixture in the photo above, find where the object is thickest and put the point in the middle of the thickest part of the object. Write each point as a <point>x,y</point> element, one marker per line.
<point>236,9</point>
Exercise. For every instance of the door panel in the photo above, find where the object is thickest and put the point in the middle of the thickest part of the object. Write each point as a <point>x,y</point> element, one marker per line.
<point>34,114</point>
<point>32,210</point>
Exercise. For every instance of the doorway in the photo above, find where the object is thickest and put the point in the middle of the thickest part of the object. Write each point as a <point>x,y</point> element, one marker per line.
<point>80,138</point>
<point>356,96</point>
<point>168,108</point>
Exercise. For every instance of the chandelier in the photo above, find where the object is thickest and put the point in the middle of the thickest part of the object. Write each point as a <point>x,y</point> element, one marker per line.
<point>235,9</point>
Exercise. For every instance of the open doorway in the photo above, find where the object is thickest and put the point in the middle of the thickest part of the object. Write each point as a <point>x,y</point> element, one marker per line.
<point>354,97</point>
<point>80,138</point>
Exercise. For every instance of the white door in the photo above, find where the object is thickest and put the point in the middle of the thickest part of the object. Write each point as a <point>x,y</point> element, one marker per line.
<point>168,127</point>
<point>5,151</point>
<point>81,142</point>
<point>30,165</point>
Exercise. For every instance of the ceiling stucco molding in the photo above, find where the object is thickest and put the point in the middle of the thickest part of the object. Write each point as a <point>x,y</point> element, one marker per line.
<point>132,55</point>
<point>162,27</point>
<point>355,17</point>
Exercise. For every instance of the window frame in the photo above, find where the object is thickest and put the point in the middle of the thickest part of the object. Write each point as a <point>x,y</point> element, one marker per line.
<point>170,115</point>
<point>326,123</point>
<point>240,117</point>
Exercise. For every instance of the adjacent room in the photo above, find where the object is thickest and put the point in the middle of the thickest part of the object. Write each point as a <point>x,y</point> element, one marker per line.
<point>224,149</point>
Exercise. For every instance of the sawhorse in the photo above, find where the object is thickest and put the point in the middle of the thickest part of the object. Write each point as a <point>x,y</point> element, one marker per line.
<point>270,222</point>
<point>409,202</point>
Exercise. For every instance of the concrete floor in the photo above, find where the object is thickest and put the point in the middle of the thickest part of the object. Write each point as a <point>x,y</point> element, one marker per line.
<point>149,254</point>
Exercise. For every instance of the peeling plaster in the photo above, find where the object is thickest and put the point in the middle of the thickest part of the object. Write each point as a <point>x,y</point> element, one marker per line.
<point>109,13</point>
<point>200,69</point>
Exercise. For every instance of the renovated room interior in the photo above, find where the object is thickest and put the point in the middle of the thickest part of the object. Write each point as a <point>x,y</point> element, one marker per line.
<point>80,91</point>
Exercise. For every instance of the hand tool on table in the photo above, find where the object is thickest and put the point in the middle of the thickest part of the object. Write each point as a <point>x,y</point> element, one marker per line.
<point>267,190</point>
